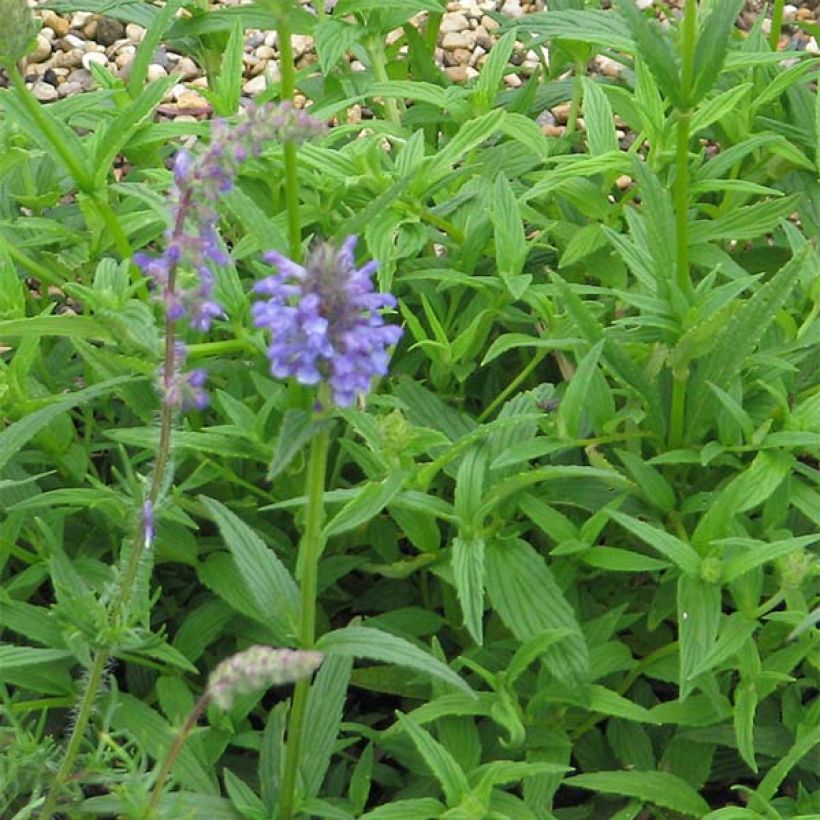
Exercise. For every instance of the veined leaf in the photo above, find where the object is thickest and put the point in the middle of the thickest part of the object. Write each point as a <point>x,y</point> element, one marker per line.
<point>665,543</point>
<point>468,573</point>
<point>660,788</point>
<point>528,600</point>
<point>440,762</point>
<point>369,500</point>
<point>269,584</point>
<point>698,620</point>
<point>365,642</point>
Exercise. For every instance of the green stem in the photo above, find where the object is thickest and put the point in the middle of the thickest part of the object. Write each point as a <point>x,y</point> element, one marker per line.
<point>577,93</point>
<point>287,94</point>
<point>777,24</point>
<point>114,226</point>
<point>512,386</point>
<point>375,48</point>
<point>173,752</point>
<point>681,197</point>
<point>93,684</point>
<point>682,206</point>
<point>309,552</point>
<point>677,410</point>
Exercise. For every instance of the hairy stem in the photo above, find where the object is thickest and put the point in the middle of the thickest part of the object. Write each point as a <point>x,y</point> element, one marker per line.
<point>309,552</point>
<point>119,604</point>
<point>577,93</point>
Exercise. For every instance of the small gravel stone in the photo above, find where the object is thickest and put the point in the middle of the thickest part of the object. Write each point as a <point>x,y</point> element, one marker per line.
<point>623,182</point>
<point>59,25</point>
<point>109,31</point>
<point>155,72</point>
<point>67,89</point>
<point>45,92</point>
<point>42,50</point>
<point>93,57</point>
<point>453,22</point>
<point>189,100</point>
<point>134,32</point>
<point>80,19</point>
<point>255,86</point>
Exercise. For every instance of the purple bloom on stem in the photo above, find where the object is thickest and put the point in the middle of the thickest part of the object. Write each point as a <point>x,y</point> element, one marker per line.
<point>148,528</point>
<point>325,321</point>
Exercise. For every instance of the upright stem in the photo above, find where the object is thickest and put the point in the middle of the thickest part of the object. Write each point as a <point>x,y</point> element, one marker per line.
<point>577,93</point>
<point>309,553</point>
<point>777,24</point>
<point>375,49</point>
<point>287,71</point>
<point>681,194</point>
<point>119,604</point>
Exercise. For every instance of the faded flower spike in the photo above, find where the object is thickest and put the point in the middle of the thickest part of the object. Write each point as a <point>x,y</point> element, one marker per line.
<point>17,31</point>
<point>325,321</point>
<point>258,668</point>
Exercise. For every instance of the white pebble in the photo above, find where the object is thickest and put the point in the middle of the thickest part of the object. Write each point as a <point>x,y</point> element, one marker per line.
<point>155,72</point>
<point>93,57</point>
<point>134,32</point>
<point>42,50</point>
<point>255,86</point>
<point>45,92</point>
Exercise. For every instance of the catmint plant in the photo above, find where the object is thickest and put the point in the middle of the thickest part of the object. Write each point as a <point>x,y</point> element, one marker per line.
<point>183,276</point>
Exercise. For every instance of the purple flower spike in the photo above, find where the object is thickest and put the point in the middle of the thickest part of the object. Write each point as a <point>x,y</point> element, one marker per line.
<point>325,321</point>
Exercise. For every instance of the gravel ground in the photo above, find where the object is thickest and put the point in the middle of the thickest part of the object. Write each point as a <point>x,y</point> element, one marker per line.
<point>67,46</point>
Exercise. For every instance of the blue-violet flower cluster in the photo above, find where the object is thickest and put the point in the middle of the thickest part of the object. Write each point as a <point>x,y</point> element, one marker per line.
<point>192,242</point>
<point>325,321</point>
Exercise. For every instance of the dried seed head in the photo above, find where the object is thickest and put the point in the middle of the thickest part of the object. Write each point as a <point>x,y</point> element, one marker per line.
<point>258,668</point>
<point>17,31</point>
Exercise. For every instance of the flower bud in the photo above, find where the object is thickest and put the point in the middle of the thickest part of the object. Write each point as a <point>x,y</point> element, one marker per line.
<point>711,569</point>
<point>795,568</point>
<point>17,31</point>
<point>258,668</point>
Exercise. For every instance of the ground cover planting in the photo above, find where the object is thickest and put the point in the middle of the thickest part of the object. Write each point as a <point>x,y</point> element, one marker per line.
<point>409,409</point>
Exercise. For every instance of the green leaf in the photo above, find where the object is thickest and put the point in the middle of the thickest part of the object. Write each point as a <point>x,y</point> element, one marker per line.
<point>334,38</point>
<point>510,241</point>
<point>577,397</point>
<point>228,84</point>
<point>660,788</point>
<point>364,642</point>
<point>163,18</point>
<point>322,721</point>
<point>297,429</point>
<point>600,125</point>
<point>618,560</point>
<point>72,327</point>
<point>759,553</point>
<point>13,658</point>
<point>654,49</point>
<point>748,222</point>
<point>655,488</point>
<point>417,808</point>
<point>119,131</point>
<point>668,545</point>
<point>493,70</point>
<point>468,574</point>
<point>777,774</point>
<point>713,41</point>
<point>699,604</point>
<point>269,584</point>
<point>369,500</point>
<point>529,601</point>
<point>744,721</point>
<point>18,434</point>
<point>440,762</point>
